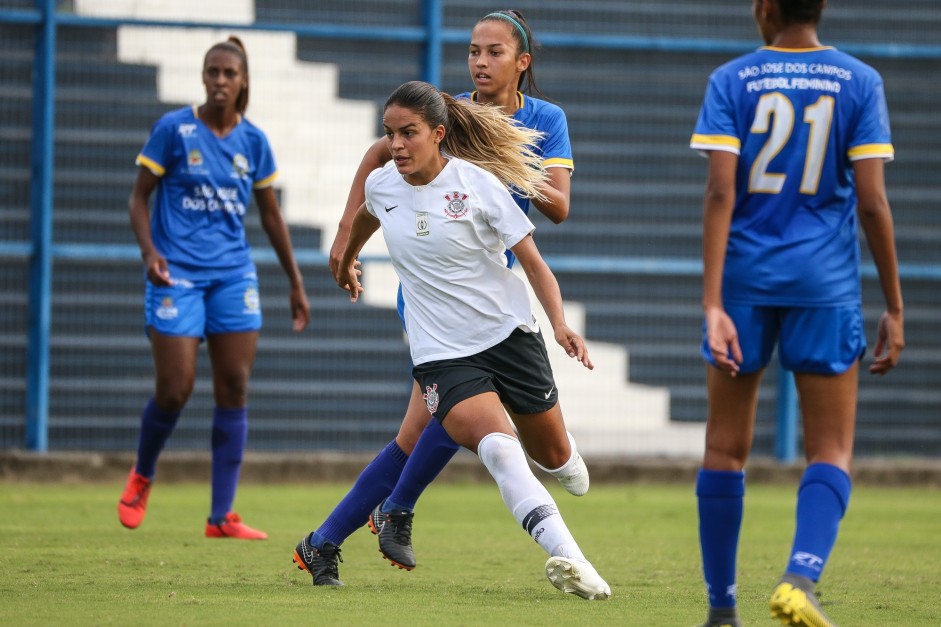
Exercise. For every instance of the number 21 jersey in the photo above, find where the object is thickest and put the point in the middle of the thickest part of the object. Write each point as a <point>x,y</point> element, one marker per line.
<point>797,119</point>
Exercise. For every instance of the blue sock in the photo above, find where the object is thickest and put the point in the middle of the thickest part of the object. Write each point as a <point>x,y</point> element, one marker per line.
<point>373,484</point>
<point>822,499</point>
<point>156,426</point>
<point>433,451</point>
<point>229,432</point>
<point>721,496</point>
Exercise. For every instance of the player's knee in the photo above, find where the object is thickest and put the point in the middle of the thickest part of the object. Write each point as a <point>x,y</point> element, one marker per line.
<point>171,395</point>
<point>411,429</point>
<point>496,450</point>
<point>231,390</point>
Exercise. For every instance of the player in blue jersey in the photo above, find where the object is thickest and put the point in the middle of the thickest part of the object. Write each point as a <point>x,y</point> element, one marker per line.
<point>500,62</point>
<point>447,217</point>
<point>205,163</point>
<point>796,134</point>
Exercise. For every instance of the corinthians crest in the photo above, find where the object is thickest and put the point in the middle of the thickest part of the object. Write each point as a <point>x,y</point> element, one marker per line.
<point>455,207</point>
<point>431,397</point>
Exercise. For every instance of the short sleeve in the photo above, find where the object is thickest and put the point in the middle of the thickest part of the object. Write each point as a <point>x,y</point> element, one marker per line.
<point>266,170</point>
<point>501,212</point>
<point>872,137</point>
<point>556,145</point>
<point>157,152</point>
<point>369,186</point>
<point>715,127</point>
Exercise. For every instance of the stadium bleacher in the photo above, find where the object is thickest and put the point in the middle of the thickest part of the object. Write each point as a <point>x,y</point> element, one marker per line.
<point>637,188</point>
<point>636,192</point>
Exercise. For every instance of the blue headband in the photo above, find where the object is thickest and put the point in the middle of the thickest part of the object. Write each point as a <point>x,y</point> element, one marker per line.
<point>518,26</point>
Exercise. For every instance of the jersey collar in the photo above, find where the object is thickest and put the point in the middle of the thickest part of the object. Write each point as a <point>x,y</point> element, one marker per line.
<point>521,99</point>
<point>814,49</point>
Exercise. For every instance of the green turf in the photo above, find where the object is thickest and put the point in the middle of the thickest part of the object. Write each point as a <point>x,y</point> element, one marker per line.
<point>65,560</point>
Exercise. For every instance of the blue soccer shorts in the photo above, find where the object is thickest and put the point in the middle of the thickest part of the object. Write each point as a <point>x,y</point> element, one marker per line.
<point>816,340</point>
<point>197,308</point>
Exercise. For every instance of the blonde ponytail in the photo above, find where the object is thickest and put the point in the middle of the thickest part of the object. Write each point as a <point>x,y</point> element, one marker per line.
<point>480,134</point>
<point>485,136</point>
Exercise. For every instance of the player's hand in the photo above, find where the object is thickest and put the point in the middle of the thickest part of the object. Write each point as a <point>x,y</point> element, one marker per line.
<point>348,279</point>
<point>336,251</point>
<point>723,340</point>
<point>300,309</point>
<point>574,345</point>
<point>890,340</point>
<point>158,272</point>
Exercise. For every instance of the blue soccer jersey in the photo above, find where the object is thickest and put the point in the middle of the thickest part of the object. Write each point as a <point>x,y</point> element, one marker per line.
<point>797,119</point>
<point>205,189</point>
<point>554,147</point>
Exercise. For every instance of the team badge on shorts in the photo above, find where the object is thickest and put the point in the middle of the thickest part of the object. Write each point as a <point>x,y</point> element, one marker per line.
<point>431,398</point>
<point>455,207</point>
<point>421,223</point>
<point>167,310</point>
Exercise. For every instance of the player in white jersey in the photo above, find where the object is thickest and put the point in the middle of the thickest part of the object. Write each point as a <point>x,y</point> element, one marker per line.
<point>474,342</point>
<point>205,164</point>
<point>500,62</point>
<point>796,134</point>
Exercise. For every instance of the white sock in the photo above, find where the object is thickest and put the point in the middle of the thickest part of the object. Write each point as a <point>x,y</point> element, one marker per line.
<point>528,500</point>
<point>565,469</point>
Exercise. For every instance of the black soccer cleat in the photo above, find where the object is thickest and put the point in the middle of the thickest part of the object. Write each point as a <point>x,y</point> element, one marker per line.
<point>395,536</point>
<point>320,563</point>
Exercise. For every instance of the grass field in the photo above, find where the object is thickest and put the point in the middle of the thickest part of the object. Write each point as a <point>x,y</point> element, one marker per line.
<point>65,560</point>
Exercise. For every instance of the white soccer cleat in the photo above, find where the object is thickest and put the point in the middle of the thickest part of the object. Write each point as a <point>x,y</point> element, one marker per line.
<point>577,577</point>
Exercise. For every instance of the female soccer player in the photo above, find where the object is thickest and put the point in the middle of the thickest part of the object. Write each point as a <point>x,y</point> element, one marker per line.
<point>500,62</point>
<point>796,134</point>
<point>205,162</point>
<point>474,342</point>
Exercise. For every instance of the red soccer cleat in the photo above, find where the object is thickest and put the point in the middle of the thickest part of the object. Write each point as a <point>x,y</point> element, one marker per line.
<point>233,527</point>
<point>133,504</point>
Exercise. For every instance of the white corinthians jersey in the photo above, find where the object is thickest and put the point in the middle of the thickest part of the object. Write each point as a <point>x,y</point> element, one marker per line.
<point>446,240</point>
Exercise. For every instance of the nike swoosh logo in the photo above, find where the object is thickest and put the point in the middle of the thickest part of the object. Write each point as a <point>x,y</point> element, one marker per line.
<point>388,209</point>
<point>549,393</point>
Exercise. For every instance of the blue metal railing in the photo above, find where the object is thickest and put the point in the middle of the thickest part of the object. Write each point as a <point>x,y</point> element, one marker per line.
<point>600,264</point>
